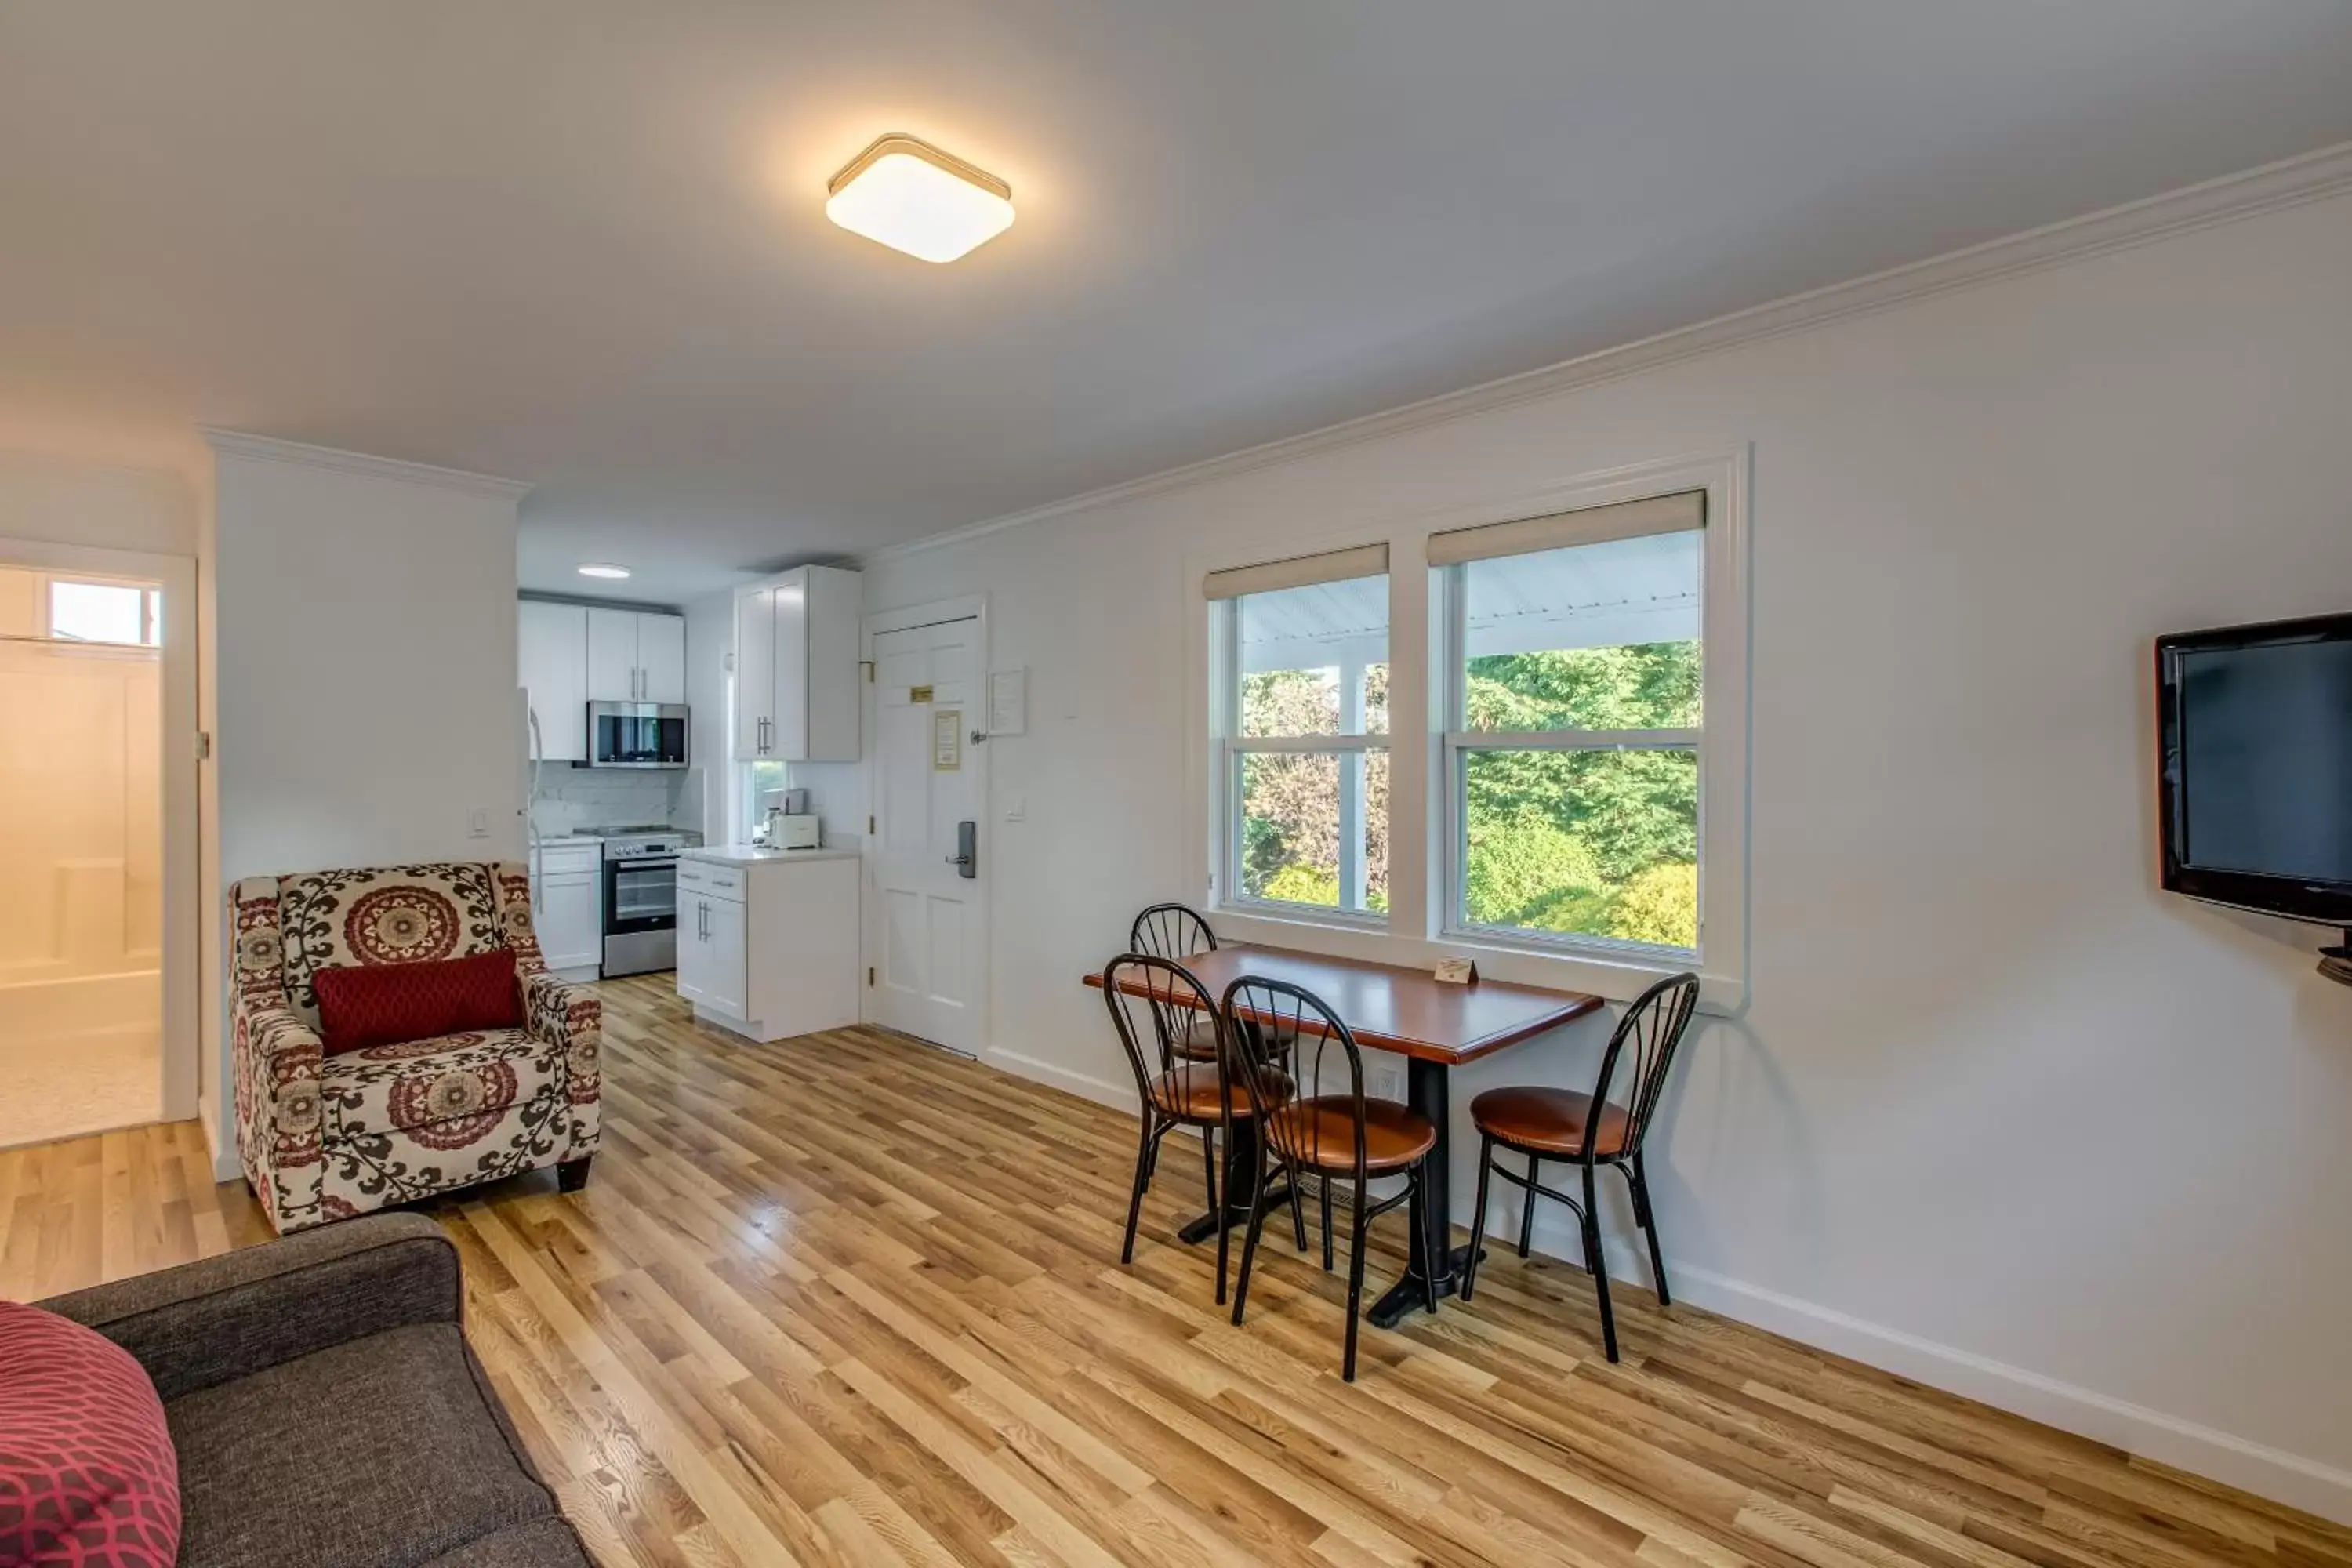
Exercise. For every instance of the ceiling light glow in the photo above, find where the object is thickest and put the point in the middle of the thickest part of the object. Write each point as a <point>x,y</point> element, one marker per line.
<point>603,569</point>
<point>912,196</point>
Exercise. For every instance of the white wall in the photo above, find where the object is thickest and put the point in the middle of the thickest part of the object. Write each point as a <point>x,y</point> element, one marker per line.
<point>2000,1113</point>
<point>365,674</point>
<point>65,500</point>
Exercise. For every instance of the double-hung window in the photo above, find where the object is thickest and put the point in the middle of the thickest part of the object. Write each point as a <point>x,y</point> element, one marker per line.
<point>1574,735</point>
<point>1302,705</point>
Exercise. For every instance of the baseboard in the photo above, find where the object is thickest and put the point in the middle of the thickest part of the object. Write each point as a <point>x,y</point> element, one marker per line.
<point>1085,1085</point>
<point>2202,1450</point>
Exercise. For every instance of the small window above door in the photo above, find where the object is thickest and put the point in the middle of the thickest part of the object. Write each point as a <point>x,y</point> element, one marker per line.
<point>123,614</point>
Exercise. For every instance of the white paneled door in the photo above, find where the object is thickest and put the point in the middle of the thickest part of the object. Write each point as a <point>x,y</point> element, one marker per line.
<point>929,935</point>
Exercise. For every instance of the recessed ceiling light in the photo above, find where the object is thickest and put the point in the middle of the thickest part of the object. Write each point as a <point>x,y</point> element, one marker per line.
<point>603,569</point>
<point>909,195</point>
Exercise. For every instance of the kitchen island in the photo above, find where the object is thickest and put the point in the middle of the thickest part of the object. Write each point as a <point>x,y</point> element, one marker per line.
<point>767,939</point>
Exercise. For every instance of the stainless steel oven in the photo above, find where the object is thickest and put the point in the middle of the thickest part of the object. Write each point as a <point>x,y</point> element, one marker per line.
<point>641,899</point>
<point>637,734</point>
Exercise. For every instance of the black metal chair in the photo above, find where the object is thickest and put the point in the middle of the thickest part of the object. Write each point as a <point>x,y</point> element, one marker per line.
<point>1588,1130</point>
<point>1177,932</point>
<point>1278,1039</point>
<point>1172,931</point>
<point>1175,1092</point>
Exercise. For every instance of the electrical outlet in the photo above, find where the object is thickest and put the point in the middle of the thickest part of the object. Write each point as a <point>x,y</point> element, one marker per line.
<point>1384,1080</point>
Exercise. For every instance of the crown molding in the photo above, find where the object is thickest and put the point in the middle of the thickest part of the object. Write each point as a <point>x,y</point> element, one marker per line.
<point>270,449</point>
<point>2290,182</point>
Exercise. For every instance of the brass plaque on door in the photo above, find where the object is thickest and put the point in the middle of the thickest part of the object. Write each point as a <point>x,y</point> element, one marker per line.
<point>919,694</point>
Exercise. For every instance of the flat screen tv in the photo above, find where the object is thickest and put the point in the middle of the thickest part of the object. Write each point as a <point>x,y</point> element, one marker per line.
<point>2255,766</point>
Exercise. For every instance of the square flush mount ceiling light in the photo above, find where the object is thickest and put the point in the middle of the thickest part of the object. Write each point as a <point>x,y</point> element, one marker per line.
<point>909,195</point>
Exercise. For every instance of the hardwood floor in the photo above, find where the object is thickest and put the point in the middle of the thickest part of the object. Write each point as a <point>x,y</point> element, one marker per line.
<point>847,1300</point>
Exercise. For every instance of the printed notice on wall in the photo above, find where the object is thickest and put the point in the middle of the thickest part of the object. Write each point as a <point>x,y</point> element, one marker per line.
<point>947,739</point>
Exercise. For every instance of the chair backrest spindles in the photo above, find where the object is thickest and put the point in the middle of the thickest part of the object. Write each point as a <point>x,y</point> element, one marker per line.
<point>1279,1036</point>
<point>1649,1034</point>
<point>1171,931</point>
<point>1150,1026</point>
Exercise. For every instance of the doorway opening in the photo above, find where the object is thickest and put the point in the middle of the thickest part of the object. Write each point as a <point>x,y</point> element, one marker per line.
<point>82,863</point>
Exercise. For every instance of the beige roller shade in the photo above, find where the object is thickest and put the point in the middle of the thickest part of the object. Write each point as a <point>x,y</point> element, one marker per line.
<point>1334,566</point>
<point>1626,520</point>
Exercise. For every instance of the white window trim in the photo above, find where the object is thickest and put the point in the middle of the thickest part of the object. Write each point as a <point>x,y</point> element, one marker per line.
<point>1413,931</point>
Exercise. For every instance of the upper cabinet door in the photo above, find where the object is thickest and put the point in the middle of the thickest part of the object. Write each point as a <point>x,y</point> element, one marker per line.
<point>613,656</point>
<point>553,650</point>
<point>790,734</point>
<point>661,657</point>
<point>755,674</point>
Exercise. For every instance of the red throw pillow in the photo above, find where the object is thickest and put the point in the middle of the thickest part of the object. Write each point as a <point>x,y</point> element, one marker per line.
<point>88,1475</point>
<point>368,1005</point>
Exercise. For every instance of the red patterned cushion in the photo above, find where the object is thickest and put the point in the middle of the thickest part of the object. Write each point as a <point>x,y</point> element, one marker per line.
<point>367,1004</point>
<point>88,1476</point>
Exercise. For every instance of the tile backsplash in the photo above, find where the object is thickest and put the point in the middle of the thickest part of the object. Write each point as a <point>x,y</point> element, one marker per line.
<point>577,800</point>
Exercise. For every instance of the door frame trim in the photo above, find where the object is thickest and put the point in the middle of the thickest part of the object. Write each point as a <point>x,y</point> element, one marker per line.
<point>971,607</point>
<point>182,823</point>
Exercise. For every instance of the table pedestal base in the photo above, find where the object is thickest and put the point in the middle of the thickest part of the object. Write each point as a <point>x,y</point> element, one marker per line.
<point>1404,1296</point>
<point>1240,1173</point>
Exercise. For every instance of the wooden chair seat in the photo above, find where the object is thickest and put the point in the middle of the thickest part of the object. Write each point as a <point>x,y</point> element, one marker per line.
<point>1198,1043</point>
<point>1550,1120</point>
<point>1320,1134</point>
<point>1190,1094</point>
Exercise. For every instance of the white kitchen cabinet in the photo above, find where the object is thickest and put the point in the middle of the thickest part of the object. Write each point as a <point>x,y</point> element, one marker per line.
<point>552,659</point>
<point>713,953</point>
<point>767,941</point>
<point>612,656</point>
<point>755,671</point>
<point>636,656</point>
<point>567,896</point>
<point>661,657</point>
<point>797,696</point>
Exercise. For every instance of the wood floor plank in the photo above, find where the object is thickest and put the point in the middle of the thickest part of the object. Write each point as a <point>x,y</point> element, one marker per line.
<point>847,1300</point>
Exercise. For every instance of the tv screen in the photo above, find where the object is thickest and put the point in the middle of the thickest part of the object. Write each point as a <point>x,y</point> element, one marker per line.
<point>2256,766</point>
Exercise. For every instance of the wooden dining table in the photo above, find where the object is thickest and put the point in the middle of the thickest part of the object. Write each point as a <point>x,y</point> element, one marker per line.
<point>1435,1025</point>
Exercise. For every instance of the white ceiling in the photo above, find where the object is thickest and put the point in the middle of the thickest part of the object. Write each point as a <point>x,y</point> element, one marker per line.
<point>580,242</point>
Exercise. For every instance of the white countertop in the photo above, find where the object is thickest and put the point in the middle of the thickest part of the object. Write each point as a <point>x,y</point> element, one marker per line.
<point>759,855</point>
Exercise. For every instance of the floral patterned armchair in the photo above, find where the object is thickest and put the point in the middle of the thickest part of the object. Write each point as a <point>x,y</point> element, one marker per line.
<point>324,1138</point>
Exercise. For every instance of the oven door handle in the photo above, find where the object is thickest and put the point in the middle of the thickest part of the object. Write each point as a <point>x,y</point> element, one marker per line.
<point>649,863</point>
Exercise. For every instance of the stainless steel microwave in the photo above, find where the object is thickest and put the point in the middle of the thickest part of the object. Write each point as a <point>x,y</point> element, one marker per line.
<point>637,734</point>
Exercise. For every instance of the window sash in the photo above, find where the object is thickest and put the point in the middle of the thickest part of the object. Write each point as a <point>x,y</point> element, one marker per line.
<point>1574,739</point>
<point>1453,600</point>
<point>1231,757</point>
<point>1231,749</point>
<point>1297,743</point>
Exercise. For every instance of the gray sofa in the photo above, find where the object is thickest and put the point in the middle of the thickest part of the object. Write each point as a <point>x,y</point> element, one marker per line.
<point>326,1409</point>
